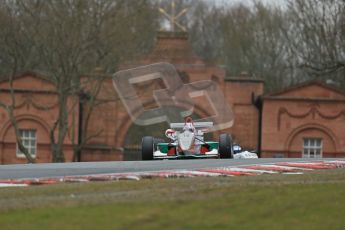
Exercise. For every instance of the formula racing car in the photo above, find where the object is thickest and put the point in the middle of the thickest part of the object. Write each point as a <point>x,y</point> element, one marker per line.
<point>187,141</point>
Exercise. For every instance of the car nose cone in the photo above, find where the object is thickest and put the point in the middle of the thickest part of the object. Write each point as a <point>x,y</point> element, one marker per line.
<point>186,140</point>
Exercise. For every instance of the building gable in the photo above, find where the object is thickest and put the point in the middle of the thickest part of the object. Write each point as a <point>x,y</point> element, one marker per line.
<point>311,90</point>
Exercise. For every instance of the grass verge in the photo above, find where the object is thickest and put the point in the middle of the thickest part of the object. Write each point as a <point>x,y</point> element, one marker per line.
<point>311,201</point>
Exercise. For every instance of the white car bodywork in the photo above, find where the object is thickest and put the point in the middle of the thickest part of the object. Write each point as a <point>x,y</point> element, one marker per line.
<point>185,135</point>
<point>245,155</point>
<point>159,155</point>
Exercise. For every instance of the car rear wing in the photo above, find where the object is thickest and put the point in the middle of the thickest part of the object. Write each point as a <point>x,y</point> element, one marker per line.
<point>197,125</point>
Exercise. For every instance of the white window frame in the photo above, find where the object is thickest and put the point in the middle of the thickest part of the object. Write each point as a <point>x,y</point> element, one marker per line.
<point>312,147</point>
<point>29,140</point>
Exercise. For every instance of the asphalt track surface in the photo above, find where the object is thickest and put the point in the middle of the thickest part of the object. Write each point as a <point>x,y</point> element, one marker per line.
<point>55,170</point>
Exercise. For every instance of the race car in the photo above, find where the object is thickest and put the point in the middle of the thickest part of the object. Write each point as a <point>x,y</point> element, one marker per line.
<point>186,140</point>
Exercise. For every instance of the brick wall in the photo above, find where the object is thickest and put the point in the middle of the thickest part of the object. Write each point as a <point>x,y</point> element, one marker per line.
<point>36,108</point>
<point>175,49</point>
<point>312,110</point>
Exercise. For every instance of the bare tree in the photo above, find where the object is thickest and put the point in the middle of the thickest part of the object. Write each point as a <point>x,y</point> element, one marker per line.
<point>205,31</point>
<point>70,38</point>
<point>281,45</point>
<point>316,34</point>
<point>252,41</point>
<point>11,57</point>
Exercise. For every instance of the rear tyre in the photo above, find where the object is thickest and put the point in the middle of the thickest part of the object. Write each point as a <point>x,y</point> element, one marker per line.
<point>225,146</point>
<point>147,148</point>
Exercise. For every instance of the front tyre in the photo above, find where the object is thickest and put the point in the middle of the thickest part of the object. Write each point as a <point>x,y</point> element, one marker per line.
<point>225,146</point>
<point>147,148</point>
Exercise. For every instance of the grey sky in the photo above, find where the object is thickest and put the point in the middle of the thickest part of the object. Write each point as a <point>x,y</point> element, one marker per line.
<point>272,2</point>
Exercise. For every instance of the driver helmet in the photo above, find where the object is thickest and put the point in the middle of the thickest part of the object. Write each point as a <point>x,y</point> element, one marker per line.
<point>189,125</point>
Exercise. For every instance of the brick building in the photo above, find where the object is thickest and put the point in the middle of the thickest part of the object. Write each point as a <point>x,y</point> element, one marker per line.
<point>174,48</point>
<point>36,106</point>
<point>306,120</point>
